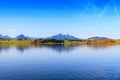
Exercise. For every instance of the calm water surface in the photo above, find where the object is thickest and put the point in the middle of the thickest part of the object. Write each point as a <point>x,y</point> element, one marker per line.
<point>59,63</point>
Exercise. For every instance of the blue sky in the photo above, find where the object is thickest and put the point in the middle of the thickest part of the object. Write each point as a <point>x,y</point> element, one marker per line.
<point>42,18</point>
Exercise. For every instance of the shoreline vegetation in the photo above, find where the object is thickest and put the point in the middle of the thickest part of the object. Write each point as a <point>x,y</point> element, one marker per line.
<point>58,39</point>
<point>54,42</point>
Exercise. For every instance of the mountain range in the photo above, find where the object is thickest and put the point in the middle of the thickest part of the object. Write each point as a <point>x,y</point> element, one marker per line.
<point>4,37</point>
<point>57,37</point>
<point>21,36</point>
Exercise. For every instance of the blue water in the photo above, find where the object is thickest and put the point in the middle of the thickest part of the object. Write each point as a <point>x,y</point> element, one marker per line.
<point>60,63</point>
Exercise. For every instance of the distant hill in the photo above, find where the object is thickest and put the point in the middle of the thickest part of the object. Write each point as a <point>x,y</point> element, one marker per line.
<point>4,37</point>
<point>63,37</point>
<point>1,36</point>
<point>21,36</point>
<point>98,38</point>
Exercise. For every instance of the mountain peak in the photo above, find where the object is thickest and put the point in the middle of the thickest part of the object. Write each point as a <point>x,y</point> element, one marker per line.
<point>6,37</point>
<point>63,37</point>
<point>21,36</point>
<point>60,34</point>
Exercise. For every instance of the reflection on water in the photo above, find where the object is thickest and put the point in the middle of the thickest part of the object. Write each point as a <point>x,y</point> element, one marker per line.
<point>43,62</point>
<point>20,48</point>
<point>5,48</point>
<point>59,48</point>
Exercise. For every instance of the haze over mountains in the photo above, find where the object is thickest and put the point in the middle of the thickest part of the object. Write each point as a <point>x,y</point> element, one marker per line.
<point>57,37</point>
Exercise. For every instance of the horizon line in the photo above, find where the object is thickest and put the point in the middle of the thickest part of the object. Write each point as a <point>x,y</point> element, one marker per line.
<point>57,34</point>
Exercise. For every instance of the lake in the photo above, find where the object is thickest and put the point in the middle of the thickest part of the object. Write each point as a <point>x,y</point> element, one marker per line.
<point>58,62</point>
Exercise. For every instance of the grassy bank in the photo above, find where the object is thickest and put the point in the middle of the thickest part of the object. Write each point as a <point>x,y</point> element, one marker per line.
<point>16,42</point>
<point>65,42</point>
